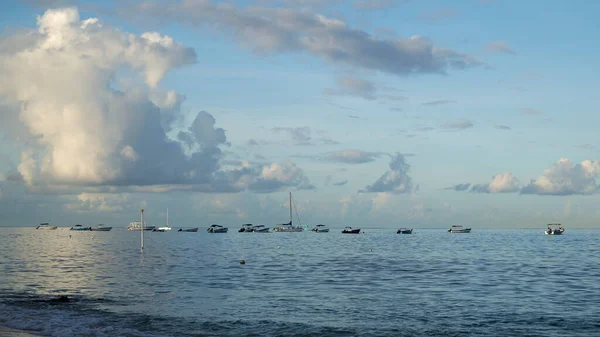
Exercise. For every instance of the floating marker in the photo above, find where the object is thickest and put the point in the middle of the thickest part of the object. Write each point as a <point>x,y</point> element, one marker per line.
<point>278,247</point>
<point>370,249</point>
<point>242,261</point>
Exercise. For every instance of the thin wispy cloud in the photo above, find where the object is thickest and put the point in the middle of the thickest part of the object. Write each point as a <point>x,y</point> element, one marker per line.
<point>457,125</point>
<point>499,47</point>
<point>438,102</point>
<point>502,127</point>
<point>530,111</point>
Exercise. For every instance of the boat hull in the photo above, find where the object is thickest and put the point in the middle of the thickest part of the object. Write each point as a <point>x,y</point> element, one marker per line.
<point>47,228</point>
<point>288,230</point>
<point>554,232</point>
<point>405,231</point>
<point>320,230</point>
<point>79,229</point>
<point>468,230</point>
<point>192,230</point>
<point>351,231</point>
<point>100,229</point>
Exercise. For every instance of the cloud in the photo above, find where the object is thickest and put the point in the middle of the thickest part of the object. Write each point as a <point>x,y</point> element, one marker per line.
<point>501,183</point>
<point>395,180</point>
<point>502,127</point>
<point>87,132</point>
<point>564,178</point>
<point>354,86</point>
<point>300,135</point>
<point>340,183</point>
<point>439,15</point>
<point>499,47</point>
<point>458,125</point>
<point>438,102</point>
<point>459,187</point>
<point>98,202</point>
<point>276,176</point>
<point>351,156</point>
<point>284,30</point>
<point>530,111</point>
<point>87,135</point>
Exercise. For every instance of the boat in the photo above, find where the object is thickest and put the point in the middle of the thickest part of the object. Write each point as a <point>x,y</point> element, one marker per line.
<point>214,228</point>
<point>260,229</point>
<point>46,226</point>
<point>100,228</point>
<point>459,229</point>
<point>349,230</point>
<point>79,228</point>
<point>289,227</point>
<point>320,229</point>
<point>404,231</point>
<point>247,228</point>
<point>138,226</point>
<point>188,230</point>
<point>165,228</point>
<point>554,229</point>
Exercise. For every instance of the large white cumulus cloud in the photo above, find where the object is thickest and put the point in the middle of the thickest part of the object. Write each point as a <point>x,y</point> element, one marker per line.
<point>566,178</point>
<point>64,77</point>
<point>88,97</point>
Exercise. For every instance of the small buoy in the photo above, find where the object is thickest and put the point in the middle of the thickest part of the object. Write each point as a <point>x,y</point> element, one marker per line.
<point>242,261</point>
<point>370,249</point>
<point>278,247</point>
<point>69,236</point>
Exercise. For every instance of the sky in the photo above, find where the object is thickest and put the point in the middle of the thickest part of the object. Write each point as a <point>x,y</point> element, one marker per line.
<point>380,113</point>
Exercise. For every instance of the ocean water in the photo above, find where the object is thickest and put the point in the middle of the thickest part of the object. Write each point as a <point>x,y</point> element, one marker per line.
<point>431,283</point>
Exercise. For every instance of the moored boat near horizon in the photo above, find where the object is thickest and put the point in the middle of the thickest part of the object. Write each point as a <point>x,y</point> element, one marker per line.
<point>138,226</point>
<point>79,227</point>
<point>214,228</point>
<point>46,226</point>
<point>289,227</point>
<point>100,228</point>
<point>320,229</point>
<point>404,231</point>
<point>164,228</point>
<point>188,229</point>
<point>554,229</point>
<point>349,230</point>
<point>459,229</point>
<point>260,229</point>
<point>247,228</point>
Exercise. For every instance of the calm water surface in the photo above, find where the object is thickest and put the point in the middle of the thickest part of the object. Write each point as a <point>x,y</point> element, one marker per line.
<point>431,283</point>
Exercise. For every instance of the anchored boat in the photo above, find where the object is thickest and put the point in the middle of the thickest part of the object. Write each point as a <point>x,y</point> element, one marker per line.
<point>459,229</point>
<point>554,229</point>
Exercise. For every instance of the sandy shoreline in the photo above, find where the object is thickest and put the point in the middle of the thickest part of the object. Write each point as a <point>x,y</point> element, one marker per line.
<point>8,332</point>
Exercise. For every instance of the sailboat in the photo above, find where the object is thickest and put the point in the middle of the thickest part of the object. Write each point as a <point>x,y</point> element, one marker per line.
<point>166,228</point>
<point>289,227</point>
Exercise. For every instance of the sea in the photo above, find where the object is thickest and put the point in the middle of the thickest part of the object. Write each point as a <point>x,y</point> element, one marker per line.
<point>490,282</point>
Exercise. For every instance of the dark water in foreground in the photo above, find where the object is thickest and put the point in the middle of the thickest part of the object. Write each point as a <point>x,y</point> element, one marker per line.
<point>431,283</point>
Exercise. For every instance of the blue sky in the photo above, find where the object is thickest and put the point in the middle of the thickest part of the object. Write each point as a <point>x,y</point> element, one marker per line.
<point>486,119</point>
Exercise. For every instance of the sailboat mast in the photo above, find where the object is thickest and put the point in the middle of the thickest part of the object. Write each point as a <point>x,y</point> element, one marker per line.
<point>290,208</point>
<point>142,231</point>
<point>167,217</point>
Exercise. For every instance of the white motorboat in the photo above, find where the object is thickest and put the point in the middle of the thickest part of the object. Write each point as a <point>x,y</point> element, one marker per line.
<point>288,227</point>
<point>260,229</point>
<point>214,228</point>
<point>320,229</point>
<point>138,226</point>
<point>554,229</point>
<point>247,228</point>
<point>46,226</point>
<point>459,229</point>
<point>404,231</point>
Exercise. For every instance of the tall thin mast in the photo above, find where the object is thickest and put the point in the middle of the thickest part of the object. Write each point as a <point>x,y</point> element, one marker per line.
<point>142,226</point>
<point>167,217</point>
<point>290,208</point>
